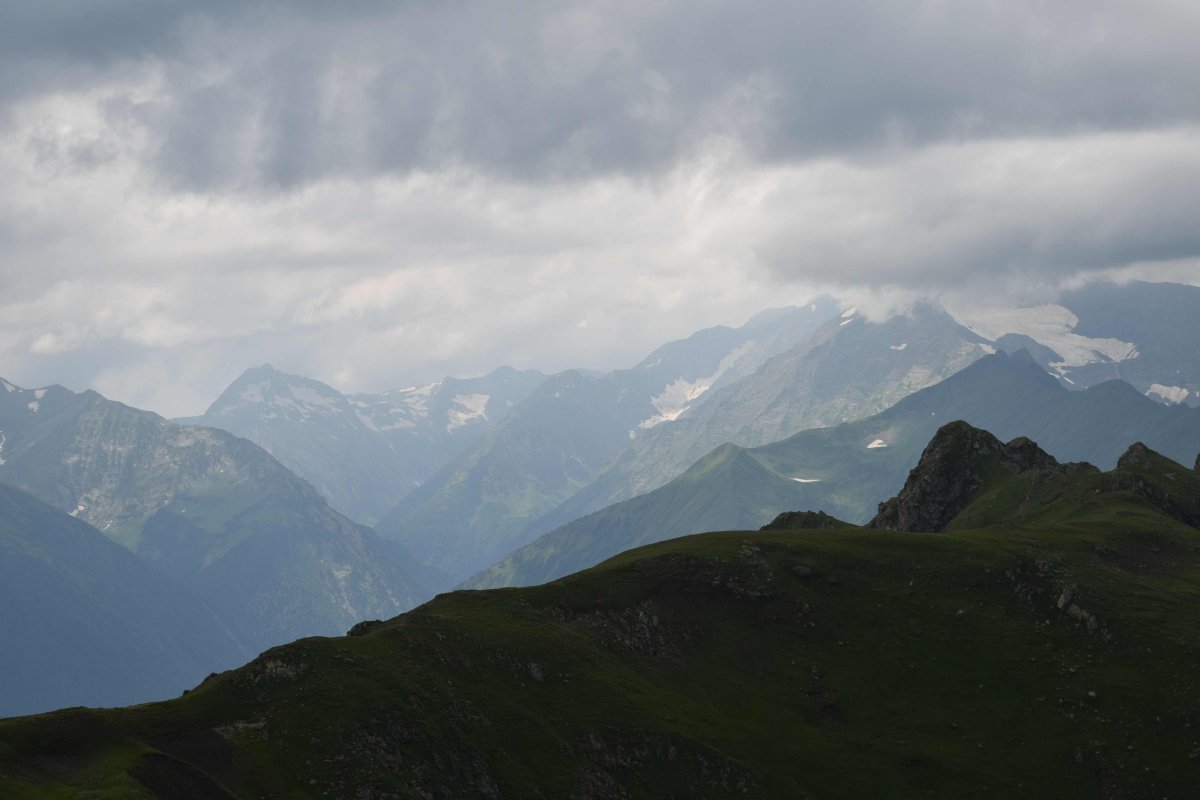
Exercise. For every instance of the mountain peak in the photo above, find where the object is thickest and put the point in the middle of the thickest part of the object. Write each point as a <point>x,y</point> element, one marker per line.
<point>1138,455</point>
<point>950,474</point>
<point>1023,356</point>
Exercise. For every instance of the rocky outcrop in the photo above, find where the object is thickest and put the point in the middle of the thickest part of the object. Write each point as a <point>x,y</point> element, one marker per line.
<point>950,474</point>
<point>804,520</point>
<point>1167,485</point>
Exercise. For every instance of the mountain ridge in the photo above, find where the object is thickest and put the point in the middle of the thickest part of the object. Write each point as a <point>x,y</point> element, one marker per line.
<point>844,470</point>
<point>364,451</point>
<point>206,508</point>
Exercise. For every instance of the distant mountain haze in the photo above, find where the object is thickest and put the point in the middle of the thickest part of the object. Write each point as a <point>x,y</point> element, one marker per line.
<point>849,368</point>
<point>87,622</point>
<point>205,508</point>
<point>479,506</point>
<point>847,469</point>
<point>364,452</point>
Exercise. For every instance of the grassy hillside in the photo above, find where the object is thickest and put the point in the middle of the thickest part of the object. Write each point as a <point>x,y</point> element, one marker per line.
<point>1051,655</point>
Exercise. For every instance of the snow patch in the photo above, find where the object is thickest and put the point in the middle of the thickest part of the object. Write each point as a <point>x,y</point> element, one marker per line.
<point>2,461</point>
<point>807,480</point>
<point>79,508</point>
<point>313,398</point>
<point>1050,325</point>
<point>399,408</point>
<point>466,408</point>
<point>677,397</point>
<point>33,406</point>
<point>38,394</point>
<point>849,312</point>
<point>416,398</point>
<point>987,348</point>
<point>1171,394</point>
<point>8,387</point>
<point>899,347</point>
<point>877,444</point>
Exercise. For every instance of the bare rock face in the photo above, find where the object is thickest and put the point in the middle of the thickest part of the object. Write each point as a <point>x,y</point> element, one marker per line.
<point>950,473</point>
<point>1137,456</point>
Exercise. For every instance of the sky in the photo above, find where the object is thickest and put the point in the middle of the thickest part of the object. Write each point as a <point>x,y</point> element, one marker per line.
<point>375,194</point>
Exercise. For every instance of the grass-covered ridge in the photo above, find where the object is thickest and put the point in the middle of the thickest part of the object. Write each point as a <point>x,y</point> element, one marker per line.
<point>1052,655</point>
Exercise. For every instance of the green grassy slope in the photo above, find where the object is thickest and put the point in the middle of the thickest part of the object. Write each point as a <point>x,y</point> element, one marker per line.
<point>1049,656</point>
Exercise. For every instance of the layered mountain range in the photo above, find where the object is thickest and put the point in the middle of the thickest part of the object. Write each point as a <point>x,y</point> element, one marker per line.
<point>1054,590</point>
<point>480,506</point>
<point>364,452</point>
<point>581,441</point>
<point>1143,333</point>
<point>516,477</point>
<point>207,509</point>
<point>846,469</point>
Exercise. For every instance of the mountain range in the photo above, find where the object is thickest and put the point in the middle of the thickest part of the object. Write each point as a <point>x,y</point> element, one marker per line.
<point>207,509</point>
<point>479,506</point>
<point>846,469</point>
<point>1041,648</point>
<point>551,453</point>
<point>364,452</point>
<point>516,477</point>
<point>1145,334</point>
<point>851,367</point>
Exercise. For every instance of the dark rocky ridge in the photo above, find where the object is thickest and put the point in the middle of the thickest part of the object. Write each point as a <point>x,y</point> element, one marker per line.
<point>1177,497</point>
<point>951,472</point>
<point>804,520</point>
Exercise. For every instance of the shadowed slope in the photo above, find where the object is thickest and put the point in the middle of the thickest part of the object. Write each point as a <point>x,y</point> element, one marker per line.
<point>767,664</point>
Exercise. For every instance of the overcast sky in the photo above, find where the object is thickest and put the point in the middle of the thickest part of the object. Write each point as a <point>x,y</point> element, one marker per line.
<point>379,193</point>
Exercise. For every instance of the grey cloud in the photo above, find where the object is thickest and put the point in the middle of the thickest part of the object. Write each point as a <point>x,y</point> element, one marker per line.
<point>274,96</point>
<point>1036,209</point>
<point>377,193</point>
